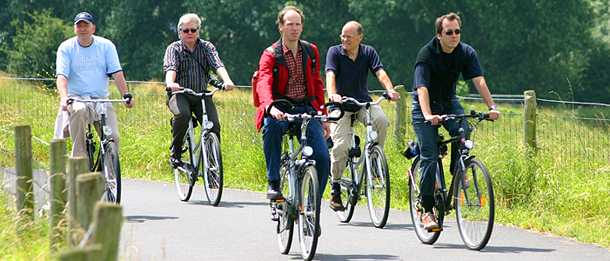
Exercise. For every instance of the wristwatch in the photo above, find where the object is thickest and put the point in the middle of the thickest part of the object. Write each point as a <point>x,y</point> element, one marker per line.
<point>493,107</point>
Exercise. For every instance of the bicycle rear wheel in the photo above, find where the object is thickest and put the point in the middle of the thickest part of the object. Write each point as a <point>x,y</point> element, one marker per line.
<point>112,172</point>
<point>309,212</point>
<point>416,208</point>
<point>349,193</point>
<point>378,187</point>
<point>475,205</point>
<point>184,175</point>
<point>285,221</point>
<point>212,169</point>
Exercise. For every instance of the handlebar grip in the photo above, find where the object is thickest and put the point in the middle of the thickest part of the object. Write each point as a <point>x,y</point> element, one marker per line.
<point>276,102</point>
<point>215,82</point>
<point>335,104</point>
<point>128,96</point>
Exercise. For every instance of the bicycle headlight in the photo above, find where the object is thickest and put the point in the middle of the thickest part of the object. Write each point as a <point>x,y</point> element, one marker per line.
<point>307,151</point>
<point>209,125</point>
<point>373,135</point>
<point>107,130</point>
<point>469,144</point>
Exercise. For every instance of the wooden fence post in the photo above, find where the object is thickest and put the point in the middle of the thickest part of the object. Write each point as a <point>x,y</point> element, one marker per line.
<point>23,163</point>
<point>400,127</point>
<point>107,221</point>
<point>89,190</point>
<point>58,195</point>
<point>529,129</point>
<point>78,165</point>
<point>89,253</point>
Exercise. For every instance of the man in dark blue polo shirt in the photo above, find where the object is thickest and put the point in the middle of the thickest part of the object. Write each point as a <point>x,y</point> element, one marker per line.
<point>347,67</point>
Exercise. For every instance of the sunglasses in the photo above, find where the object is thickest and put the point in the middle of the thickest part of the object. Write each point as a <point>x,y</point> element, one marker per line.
<point>450,32</point>
<point>186,31</point>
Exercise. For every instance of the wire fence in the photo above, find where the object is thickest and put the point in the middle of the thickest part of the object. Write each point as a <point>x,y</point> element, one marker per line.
<point>573,138</point>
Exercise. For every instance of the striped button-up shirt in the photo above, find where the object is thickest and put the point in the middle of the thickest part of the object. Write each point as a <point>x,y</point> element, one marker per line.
<point>192,68</point>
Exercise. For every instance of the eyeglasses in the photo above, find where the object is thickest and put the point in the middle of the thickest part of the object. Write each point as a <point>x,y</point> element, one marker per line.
<point>186,31</point>
<point>450,32</point>
<point>343,36</point>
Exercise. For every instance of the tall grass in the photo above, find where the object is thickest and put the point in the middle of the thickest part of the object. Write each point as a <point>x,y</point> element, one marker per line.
<point>566,194</point>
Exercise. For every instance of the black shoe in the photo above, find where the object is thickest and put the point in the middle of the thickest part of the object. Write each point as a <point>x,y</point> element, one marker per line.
<point>175,160</point>
<point>273,190</point>
<point>335,201</point>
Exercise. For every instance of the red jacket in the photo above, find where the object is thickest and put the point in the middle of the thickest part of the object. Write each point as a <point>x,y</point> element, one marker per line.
<point>264,88</point>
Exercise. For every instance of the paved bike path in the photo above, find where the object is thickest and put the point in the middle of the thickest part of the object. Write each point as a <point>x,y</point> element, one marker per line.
<point>158,226</point>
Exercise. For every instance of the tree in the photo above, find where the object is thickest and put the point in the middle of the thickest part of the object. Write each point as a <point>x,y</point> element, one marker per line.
<point>35,44</point>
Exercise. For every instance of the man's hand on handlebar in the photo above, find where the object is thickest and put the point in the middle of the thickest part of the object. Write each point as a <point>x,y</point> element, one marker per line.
<point>173,86</point>
<point>434,119</point>
<point>130,101</point>
<point>335,98</point>
<point>277,114</point>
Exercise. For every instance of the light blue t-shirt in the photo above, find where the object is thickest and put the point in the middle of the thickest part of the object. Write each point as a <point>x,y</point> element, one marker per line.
<point>88,68</point>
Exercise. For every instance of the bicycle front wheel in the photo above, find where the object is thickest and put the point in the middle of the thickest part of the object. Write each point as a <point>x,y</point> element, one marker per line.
<point>309,212</point>
<point>378,187</point>
<point>184,175</point>
<point>212,172</point>
<point>474,204</point>
<point>112,172</point>
<point>416,208</point>
<point>349,193</point>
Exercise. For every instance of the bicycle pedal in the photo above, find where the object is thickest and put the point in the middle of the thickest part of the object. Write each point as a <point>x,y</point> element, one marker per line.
<point>278,200</point>
<point>435,230</point>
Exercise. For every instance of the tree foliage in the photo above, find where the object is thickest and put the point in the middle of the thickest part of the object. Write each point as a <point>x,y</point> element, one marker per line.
<point>556,48</point>
<point>35,44</point>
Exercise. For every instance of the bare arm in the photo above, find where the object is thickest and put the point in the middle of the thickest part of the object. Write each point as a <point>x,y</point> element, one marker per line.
<point>224,75</point>
<point>62,88</point>
<point>331,87</point>
<point>481,86</point>
<point>424,104</point>
<point>121,84</point>
<point>385,81</point>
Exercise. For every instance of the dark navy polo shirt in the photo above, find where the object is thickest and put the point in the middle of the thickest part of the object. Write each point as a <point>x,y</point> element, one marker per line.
<point>351,77</point>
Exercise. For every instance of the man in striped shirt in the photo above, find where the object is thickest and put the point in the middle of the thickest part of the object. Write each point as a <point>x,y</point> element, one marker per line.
<point>187,64</point>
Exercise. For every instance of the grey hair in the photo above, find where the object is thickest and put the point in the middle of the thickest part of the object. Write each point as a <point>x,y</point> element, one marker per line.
<point>189,18</point>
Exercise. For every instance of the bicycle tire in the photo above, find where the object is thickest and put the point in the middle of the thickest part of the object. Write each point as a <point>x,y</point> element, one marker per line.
<point>475,206</point>
<point>285,217</point>
<point>415,205</point>
<point>378,187</point>
<point>348,194</point>
<point>183,176</point>
<point>309,212</point>
<point>112,172</point>
<point>212,169</point>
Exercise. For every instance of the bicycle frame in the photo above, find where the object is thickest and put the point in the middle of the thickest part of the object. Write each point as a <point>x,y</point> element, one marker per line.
<point>206,126</point>
<point>370,136</point>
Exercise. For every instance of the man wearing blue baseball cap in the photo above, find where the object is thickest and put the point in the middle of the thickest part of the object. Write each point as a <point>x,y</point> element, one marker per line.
<point>84,64</point>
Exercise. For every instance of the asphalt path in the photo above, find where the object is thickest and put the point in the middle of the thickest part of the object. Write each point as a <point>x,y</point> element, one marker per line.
<point>158,226</point>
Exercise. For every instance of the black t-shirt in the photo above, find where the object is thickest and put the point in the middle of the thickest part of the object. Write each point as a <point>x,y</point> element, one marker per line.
<point>439,71</point>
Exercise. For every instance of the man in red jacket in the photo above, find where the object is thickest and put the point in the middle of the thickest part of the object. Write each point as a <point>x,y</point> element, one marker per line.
<point>302,86</point>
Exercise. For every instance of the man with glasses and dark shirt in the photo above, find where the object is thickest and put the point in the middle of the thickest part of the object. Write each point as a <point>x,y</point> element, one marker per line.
<point>438,67</point>
<point>187,64</point>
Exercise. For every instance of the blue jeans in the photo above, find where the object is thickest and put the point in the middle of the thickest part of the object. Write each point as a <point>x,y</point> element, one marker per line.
<point>274,130</point>
<point>427,138</point>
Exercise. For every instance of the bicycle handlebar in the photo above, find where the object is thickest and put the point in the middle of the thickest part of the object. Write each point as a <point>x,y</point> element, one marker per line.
<point>385,96</point>
<point>473,114</point>
<point>127,99</point>
<point>213,82</point>
<point>312,113</point>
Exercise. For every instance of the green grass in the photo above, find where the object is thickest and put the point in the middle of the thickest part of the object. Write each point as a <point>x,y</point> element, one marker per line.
<point>566,194</point>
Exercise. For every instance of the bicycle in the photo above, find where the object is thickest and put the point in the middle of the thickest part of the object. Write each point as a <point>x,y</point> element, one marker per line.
<point>471,190</point>
<point>299,185</point>
<point>201,159</point>
<point>373,165</point>
<point>107,159</point>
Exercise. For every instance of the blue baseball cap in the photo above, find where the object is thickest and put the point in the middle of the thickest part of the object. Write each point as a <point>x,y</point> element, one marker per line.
<point>84,16</point>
